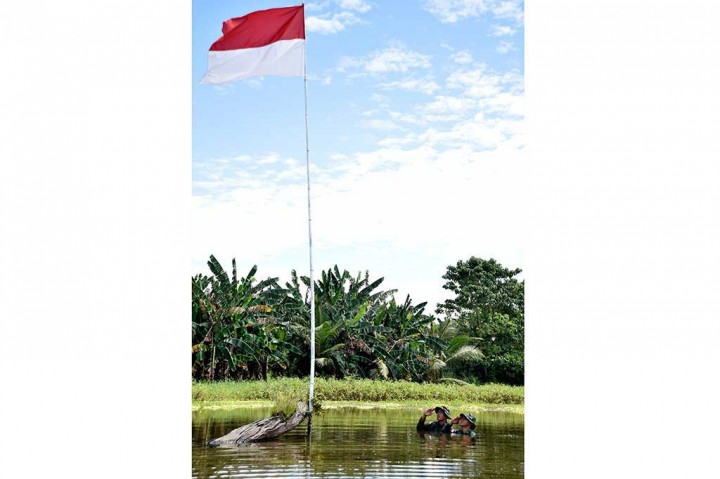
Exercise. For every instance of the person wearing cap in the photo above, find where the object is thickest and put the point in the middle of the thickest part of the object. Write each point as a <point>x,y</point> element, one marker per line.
<point>441,425</point>
<point>466,423</point>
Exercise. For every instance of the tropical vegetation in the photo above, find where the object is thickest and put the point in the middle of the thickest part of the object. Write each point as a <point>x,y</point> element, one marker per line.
<point>245,327</point>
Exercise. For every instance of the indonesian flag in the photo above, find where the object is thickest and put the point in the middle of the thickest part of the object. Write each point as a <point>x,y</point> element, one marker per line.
<point>266,42</point>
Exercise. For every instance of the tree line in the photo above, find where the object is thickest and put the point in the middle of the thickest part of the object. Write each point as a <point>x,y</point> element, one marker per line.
<point>244,327</point>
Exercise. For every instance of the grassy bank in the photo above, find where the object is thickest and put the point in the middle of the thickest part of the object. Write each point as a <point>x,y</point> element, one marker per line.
<point>358,392</point>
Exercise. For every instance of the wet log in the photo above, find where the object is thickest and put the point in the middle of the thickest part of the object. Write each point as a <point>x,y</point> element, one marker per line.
<point>263,429</point>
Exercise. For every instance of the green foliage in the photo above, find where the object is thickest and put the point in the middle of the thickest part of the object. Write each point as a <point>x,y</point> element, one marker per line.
<point>235,333</point>
<point>356,390</point>
<point>489,306</point>
<point>483,285</point>
<point>245,328</point>
<point>351,325</point>
<point>285,403</point>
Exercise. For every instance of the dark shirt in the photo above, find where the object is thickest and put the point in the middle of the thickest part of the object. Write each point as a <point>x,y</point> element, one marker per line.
<point>434,427</point>
<point>459,432</point>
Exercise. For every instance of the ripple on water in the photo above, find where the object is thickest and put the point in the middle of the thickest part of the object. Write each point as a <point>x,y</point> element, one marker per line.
<point>359,443</point>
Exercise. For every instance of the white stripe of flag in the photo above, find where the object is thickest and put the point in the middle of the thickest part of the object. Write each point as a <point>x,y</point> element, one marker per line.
<point>266,42</point>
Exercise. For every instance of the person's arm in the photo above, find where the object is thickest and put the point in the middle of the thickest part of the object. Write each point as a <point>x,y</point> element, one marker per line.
<point>421,422</point>
<point>454,421</point>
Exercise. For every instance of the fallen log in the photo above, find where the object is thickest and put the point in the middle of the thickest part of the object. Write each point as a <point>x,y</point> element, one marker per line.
<point>263,429</point>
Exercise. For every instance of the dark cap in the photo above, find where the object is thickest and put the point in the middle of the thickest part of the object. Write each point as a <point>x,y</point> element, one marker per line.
<point>444,409</point>
<point>470,418</point>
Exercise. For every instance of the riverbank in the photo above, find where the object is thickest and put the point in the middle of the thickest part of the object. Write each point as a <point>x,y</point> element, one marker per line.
<point>332,393</point>
<point>329,405</point>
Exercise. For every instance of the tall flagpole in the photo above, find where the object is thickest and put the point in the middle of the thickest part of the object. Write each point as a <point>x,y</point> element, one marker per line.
<point>312,280</point>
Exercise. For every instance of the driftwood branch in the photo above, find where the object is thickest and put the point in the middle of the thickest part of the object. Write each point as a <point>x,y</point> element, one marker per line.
<point>263,429</point>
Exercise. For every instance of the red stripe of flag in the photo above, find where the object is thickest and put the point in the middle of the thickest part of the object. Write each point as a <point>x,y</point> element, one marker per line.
<point>261,28</point>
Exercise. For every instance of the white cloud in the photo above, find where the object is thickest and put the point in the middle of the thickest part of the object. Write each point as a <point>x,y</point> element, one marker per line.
<point>505,47</point>
<point>360,6</point>
<point>396,60</point>
<point>424,86</point>
<point>270,159</point>
<point>450,11</point>
<point>408,198</point>
<point>329,25</point>
<point>482,83</point>
<point>393,59</point>
<point>478,107</point>
<point>324,26</point>
<point>464,57</point>
<point>406,118</point>
<point>480,132</point>
<point>315,7</point>
<point>502,30</point>
<point>334,22</point>
<point>219,178</point>
<point>449,104</point>
<point>383,101</point>
<point>378,124</point>
<point>394,117</point>
<point>511,9</point>
<point>357,5</point>
<point>506,103</point>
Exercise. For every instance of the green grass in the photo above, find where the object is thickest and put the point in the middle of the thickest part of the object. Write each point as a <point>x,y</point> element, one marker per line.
<point>353,392</point>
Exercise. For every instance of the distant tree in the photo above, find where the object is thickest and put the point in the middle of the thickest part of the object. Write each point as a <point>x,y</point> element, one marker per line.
<point>458,354</point>
<point>489,304</point>
<point>483,285</point>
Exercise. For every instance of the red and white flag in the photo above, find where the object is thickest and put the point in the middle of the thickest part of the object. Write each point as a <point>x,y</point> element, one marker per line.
<point>266,42</point>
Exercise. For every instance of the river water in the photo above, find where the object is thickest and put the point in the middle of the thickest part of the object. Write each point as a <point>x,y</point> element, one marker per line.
<point>354,442</point>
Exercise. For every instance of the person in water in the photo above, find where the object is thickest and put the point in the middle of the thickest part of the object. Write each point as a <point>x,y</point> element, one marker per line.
<point>466,423</point>
<point>441,425</point>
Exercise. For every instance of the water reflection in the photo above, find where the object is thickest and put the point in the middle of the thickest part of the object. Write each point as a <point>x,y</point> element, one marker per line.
<point>360,443</point>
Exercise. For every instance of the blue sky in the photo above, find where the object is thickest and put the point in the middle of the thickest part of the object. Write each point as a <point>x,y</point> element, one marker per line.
<point>416,136</point>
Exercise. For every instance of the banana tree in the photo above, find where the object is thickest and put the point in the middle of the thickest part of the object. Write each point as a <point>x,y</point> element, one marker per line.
<point>409,349</point>
<point>344,310</point>
<point>233,333</point>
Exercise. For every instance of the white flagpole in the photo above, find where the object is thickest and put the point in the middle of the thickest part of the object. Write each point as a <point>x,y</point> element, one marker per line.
<point>312,279</point>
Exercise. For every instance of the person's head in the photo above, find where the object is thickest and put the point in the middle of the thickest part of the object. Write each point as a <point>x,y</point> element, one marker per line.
<point>466,420</point>
<point>443,413</point>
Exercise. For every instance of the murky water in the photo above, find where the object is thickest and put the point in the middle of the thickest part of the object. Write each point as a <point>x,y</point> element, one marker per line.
<point>369,443</point>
